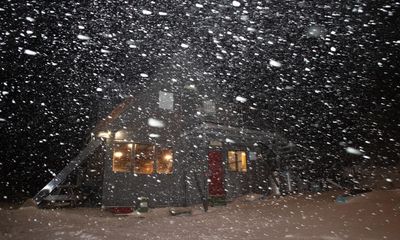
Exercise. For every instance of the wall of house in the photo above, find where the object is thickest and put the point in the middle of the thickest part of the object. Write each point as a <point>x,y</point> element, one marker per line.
<point>237,183</point>
<point>91,177</point>
<point>188,182</point>
<point>123,189</point>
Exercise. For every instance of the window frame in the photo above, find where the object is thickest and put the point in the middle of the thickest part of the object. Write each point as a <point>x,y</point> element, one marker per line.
<point>134,160</point>
<point>114,156</point>
<point>166,100</point>
<point>237,161</point>
<point>157,153</point>
<point>209,107</point>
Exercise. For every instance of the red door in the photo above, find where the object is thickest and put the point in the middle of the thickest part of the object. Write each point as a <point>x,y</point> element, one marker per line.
<point>216,174</point>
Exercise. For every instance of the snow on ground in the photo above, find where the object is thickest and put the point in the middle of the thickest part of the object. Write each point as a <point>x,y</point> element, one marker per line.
<point>374,215</point>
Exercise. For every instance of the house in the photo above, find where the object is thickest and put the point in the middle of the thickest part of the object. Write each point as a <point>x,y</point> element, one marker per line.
<point>177,143</point>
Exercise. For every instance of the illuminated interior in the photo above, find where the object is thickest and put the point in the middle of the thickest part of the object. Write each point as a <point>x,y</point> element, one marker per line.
<point>164,161</point>
<point>242,161</point>
<point>232,161</point>
<point>144,159</point>
<point>140,159</point>
<point>122,158</point>
<point>237,161</point>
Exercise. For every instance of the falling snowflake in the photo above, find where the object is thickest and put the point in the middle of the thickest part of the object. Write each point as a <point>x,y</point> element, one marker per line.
<point>30,52</point>
<point>236,3</point>
<point>83,37</point>
<point>353,151</point>
<point>274,63</point>
<point>154,135</point>
<point>152,122</point>
<point>241,99</point>
<point>30,19</point>
<point>146,12</point>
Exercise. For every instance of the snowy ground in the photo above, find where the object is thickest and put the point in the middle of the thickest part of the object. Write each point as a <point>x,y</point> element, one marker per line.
<point>374,215</point>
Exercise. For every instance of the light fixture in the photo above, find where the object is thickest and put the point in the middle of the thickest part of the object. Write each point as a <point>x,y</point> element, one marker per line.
<point>104,134</point>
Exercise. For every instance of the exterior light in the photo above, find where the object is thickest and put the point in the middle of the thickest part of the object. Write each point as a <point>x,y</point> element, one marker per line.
<point>121,135</point>
<point>104,134</point>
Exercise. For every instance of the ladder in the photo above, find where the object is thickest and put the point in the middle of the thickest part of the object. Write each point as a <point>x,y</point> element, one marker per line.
<point>62,176</point>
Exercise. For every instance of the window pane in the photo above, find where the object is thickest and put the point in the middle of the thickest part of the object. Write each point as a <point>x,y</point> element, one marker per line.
<point>209,107</point>
<point>242,161</point>
<point>232,161</point>
<point>122,158</point>
<point>252,156</point>
<point>144,159</point>
<point>164,161</point>
<point>166,100</point>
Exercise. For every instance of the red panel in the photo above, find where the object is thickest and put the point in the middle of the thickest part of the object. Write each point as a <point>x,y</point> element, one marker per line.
<point>121,210</point>
<point>215,186</point>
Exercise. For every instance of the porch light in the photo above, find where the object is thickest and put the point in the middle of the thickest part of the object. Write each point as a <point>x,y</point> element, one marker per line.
<point>104,134</point>
<point>121,135</point>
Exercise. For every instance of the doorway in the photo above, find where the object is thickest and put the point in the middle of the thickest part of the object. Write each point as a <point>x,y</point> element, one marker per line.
<point>216,174</point>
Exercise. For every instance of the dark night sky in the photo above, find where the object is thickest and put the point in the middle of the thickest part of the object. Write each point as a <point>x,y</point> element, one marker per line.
<point>340,88</point>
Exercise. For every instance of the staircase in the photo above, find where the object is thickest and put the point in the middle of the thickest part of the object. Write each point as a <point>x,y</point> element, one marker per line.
<point>286,157</point>
<point>286,153</point>
<point>65,193</point>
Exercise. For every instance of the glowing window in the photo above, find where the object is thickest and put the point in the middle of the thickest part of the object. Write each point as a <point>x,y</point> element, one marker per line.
<point>237,161</point>
<point>232,166</point>
<point>140,159</point>
<point>122,158</point>
<point>164,161</point>
<point>143,159</point>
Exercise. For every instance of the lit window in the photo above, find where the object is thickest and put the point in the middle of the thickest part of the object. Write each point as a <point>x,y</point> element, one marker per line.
<point>166,100</point>
<point>232,161</point>
<point>122,158</point>
<point>164,161</point>
<point>237,161</point>
<point>140,159</point>
<point>144,159</point>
